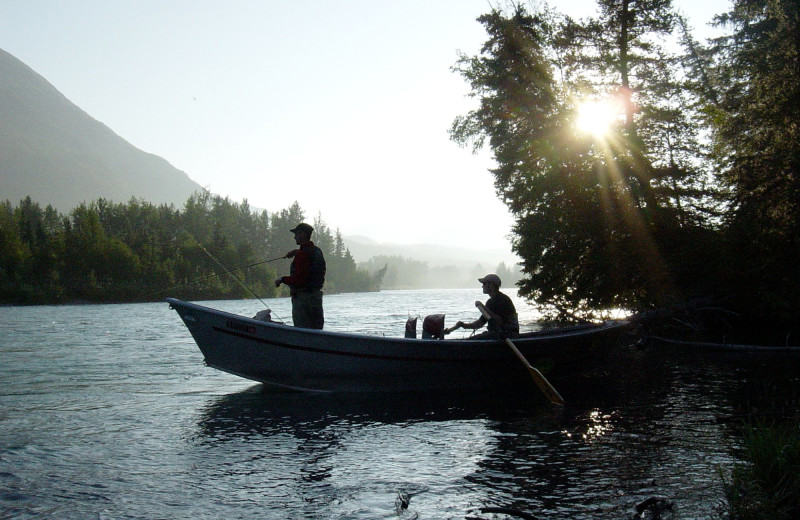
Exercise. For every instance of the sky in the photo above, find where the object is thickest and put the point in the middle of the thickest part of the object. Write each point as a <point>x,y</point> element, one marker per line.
<point>342,106</point>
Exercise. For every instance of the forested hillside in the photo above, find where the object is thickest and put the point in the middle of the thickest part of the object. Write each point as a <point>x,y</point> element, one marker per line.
<point>114,252</point>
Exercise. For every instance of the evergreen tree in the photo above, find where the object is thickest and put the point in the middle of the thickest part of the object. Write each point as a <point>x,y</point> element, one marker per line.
<point>600,222</point>
<point>106,251</point>
<point>13,253</point>
<point>757,138</point>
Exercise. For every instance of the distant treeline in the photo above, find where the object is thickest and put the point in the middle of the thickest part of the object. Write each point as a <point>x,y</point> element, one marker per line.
<point>407,273</point>
<point>113,252</point>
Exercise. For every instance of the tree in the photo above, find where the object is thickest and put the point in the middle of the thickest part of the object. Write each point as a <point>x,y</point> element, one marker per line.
<point>599,223</point>
<point>106,251</point>
<point>507,274</point>
<point>281,240</point>
<point>757,147</point>
<point>39,230</point>
<point>13,253</point>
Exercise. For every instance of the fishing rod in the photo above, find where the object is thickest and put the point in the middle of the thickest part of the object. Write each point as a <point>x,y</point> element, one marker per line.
<point>229,271</point>
<point>213,275</point>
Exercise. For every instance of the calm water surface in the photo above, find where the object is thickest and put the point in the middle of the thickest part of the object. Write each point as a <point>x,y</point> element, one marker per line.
<point>108,412</point>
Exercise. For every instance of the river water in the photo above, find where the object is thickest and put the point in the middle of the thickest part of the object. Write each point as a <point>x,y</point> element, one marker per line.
<point>107,411</point>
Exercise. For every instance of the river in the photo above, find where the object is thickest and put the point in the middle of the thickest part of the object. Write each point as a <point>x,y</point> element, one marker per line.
<point>107,411</point>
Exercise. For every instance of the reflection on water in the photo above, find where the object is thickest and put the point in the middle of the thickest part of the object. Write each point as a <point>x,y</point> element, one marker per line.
<point>354,454</point>
<point>599,425</point>
<point>108,412</point>
<point>258,410</point>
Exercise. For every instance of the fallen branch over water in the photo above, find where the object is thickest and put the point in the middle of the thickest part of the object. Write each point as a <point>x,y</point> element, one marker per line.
<point>721,346</point>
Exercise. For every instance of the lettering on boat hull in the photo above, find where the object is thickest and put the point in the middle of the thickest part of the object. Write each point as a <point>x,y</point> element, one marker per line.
<point>240,327</point>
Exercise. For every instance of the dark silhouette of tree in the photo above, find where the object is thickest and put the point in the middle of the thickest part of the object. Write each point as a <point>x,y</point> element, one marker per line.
<point>694,193</point>
<point>757,149</point>
<point>601,222</point>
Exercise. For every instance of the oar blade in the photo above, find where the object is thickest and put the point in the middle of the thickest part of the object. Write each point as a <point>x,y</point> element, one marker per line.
<point>544,385</point>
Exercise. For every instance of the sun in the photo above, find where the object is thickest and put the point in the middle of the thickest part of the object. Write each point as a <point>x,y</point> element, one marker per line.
<point>596,117</point>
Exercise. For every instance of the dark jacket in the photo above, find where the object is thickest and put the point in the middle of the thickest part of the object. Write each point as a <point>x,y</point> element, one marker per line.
<point>505,310</point>
<point>307,272</point>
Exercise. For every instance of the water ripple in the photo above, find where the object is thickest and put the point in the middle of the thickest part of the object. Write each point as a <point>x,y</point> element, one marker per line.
<point>108,412</point>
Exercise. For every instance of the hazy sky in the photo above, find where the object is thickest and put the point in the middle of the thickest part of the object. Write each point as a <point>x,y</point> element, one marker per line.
<point>343,106</point>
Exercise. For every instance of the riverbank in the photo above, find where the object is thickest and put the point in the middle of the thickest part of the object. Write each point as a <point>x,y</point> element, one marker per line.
<point>767,485</point>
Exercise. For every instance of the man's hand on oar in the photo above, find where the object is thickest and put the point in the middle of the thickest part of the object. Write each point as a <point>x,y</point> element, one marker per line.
<point>458,325</point>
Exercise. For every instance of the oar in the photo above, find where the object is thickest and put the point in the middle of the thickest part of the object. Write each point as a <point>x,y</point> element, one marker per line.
<point>544,385</point>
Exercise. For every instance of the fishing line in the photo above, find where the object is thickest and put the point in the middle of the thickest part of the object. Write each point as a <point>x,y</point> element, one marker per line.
<point>229,271</point>
<point>200,279</point>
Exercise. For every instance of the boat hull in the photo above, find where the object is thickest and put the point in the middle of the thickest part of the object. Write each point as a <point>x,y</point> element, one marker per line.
<point>324,361</point>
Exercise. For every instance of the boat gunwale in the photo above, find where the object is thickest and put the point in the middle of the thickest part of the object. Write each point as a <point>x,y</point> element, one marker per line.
<point>576,331</point>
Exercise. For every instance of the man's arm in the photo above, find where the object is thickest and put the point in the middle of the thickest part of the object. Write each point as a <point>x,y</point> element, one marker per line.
<point>480,322</point>
<point>302,270</point>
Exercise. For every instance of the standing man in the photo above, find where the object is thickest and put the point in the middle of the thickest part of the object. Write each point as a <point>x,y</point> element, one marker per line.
<point>503,323</point>
<point>305,280</point>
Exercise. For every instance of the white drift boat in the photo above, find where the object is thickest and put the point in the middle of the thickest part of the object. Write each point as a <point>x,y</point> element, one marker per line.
<point>318,360</point>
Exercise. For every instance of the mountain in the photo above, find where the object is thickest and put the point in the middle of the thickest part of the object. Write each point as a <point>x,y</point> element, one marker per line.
<point>55,152</point>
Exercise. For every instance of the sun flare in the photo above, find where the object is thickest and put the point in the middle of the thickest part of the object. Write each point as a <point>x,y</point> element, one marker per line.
<point>596,117</point>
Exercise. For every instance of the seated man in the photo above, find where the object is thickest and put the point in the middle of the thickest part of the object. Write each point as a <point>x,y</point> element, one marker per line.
<point>503,322</point>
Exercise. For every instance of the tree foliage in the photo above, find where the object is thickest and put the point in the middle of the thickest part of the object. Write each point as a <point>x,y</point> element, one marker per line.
<point>649,214</point>
<point>113,252</point>
<point>757,148</point>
